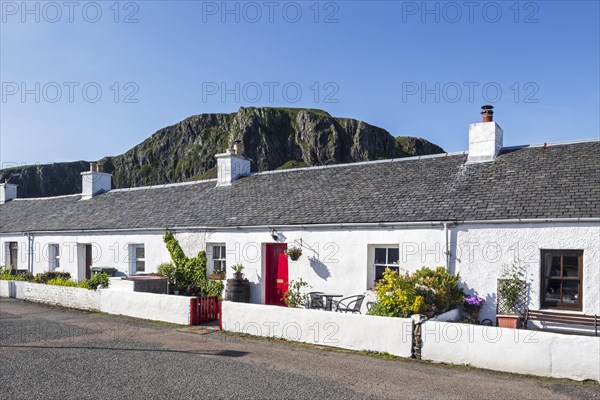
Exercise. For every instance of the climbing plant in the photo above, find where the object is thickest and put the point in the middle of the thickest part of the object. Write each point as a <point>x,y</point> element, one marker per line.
<point>190,272</point>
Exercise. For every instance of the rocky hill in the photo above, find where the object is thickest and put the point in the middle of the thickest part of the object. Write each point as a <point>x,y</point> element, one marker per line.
<point>272,137</point>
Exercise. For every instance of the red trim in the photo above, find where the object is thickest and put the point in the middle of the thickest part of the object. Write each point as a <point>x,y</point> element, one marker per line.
<point>220,315</point>
<point>194,311</point>
<point>204,309</point>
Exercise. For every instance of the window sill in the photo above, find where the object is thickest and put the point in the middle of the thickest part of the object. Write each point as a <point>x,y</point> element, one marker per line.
<point>562,310</point>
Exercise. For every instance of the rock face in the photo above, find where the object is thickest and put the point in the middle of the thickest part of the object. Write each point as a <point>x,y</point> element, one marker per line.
<point>272,137</point>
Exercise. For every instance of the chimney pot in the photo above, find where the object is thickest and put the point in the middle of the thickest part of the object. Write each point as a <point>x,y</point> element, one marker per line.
<point>487,113</point>
<point>238,147</point>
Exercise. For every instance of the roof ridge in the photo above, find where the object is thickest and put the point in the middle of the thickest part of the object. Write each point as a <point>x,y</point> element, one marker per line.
<point>359,163</point>
<point>46,198</point>
<point>561,143</point>
<point>164,185</point>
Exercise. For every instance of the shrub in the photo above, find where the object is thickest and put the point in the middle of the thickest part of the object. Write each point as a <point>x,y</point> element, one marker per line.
<point>190,272</point>
<point>92,284</point>
<point>23,276</point>
<point>100,279</point>
<point>511,287</point>
<point>168,271</point>
<point>444,288</point>
<point>46,276</point>
<point>422,291</point>
<point>396,295</point>
<point>64,282</point>
<point>6,274</point>
<point>293,297</point>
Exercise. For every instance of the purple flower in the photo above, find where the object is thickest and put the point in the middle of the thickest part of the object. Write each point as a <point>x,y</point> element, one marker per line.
<point>474,300</point>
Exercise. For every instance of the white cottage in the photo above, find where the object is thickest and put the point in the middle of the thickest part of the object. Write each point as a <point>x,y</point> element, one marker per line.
<point>473,212</point>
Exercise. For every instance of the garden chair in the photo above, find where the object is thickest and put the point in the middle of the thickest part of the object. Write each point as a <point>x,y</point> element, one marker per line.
<point>315,301</point>
<point>351,304</point>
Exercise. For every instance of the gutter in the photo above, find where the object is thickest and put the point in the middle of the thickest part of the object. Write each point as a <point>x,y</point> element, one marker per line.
<point>29,251</point>
<point>321,226</point>
<point>447,252</point>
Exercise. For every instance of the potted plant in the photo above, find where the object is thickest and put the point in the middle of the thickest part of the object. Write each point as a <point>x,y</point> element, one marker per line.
<point>294,296</point>
<point>237,271</point>
<point>218,274</point>
<point>510,294</point>
<point>472,305</point>
<point>168,270</point>
<point>294,253</point>
<point>238,288</point>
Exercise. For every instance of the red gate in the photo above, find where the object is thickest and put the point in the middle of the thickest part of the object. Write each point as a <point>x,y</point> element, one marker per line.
<point>204,309</point>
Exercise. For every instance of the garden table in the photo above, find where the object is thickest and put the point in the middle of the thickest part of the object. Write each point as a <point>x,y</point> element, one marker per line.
<point>329,300</point>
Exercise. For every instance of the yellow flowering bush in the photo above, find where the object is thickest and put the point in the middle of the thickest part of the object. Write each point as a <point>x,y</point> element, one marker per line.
<point>425,290</point>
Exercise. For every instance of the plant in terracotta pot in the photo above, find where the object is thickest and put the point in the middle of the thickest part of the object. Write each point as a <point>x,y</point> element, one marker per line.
<point>472,305</point>
<point>511,286</point>
<point>237,271</point>
<point>294,253</point>
<point>218,274</point>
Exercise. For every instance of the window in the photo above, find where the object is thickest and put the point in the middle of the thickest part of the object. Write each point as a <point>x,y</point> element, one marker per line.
<point>562,275</point>
<point>53,257</point>
<point>386,257</point>
<point>218,257</point>
<point>138,258</point>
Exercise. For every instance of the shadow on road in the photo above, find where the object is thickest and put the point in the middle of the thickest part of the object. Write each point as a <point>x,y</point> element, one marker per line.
<point>220,353</point>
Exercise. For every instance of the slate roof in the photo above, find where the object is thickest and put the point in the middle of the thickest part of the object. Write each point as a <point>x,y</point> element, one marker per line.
<point>560,181</point>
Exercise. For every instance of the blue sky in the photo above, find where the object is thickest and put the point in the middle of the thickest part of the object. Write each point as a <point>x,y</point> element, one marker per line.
<point>413,68</point>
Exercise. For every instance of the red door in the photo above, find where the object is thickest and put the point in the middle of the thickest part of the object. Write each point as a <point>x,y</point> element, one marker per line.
<point>276,276</point>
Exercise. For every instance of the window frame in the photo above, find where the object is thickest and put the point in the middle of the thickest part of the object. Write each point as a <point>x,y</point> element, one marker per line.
<point>53,256</point>
<point>544,304</point>
<point>223,254</point>
<point>387,259</point>
<point>133,259</point>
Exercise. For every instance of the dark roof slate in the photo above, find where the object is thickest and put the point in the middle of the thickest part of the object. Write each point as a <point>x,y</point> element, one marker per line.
<point>560,181</point>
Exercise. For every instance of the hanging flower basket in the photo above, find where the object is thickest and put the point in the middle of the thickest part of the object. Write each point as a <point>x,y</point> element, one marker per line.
<point>294,253</point>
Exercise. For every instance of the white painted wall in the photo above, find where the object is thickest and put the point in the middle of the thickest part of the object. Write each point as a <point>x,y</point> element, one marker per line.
<point>513,350</point>
<point>157,307</point>
<point>482,251</point>
<point>348,331</point>
<point>108,249</point>
<point>340,260</point>
<point>336,260</point>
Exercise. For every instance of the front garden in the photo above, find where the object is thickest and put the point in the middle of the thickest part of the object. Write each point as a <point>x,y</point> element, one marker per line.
<point>187,275</point>
<point>55,278</point>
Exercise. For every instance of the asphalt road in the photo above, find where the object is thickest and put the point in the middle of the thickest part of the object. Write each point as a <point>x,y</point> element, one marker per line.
<point>54,353</point>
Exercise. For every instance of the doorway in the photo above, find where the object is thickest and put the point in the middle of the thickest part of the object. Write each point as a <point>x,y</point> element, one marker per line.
<point>88,261</point>
<point>13,255</point>
<point>276,273</point>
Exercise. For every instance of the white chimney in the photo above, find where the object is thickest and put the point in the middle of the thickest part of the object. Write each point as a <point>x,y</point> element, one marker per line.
<point>94,182</point>
<point>8,192</point>
<point>485,138</point>
<point>231,165</point>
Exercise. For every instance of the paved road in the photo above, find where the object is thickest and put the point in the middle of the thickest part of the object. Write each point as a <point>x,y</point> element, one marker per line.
<point>53,353</point>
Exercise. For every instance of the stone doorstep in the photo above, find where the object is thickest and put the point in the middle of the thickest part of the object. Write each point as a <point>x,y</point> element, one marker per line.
<point>200,329</point>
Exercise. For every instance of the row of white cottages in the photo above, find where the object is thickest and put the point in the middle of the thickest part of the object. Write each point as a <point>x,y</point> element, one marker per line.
<point>475,213</point>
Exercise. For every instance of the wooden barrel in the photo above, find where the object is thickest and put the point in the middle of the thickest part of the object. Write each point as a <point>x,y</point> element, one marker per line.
<point>238,290</point>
